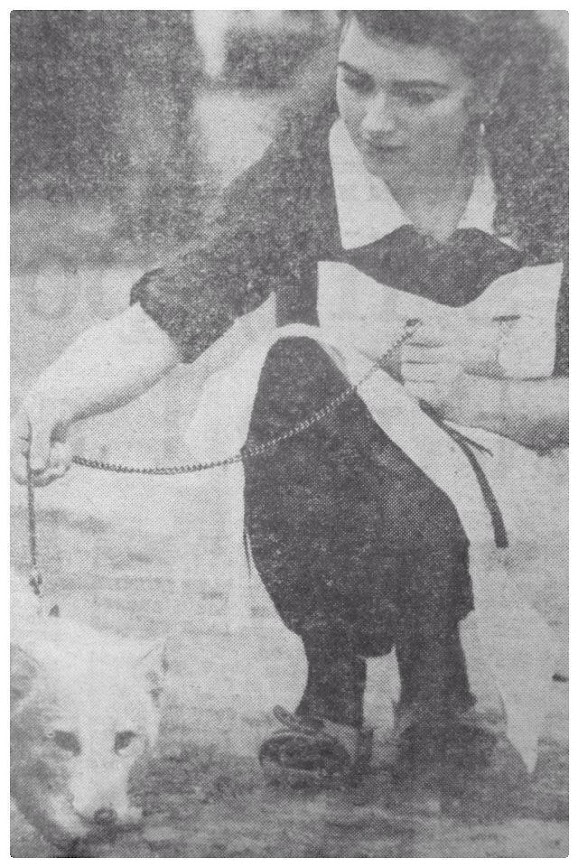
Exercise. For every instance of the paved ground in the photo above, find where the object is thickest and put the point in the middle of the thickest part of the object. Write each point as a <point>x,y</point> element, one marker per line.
<point>146,570</point>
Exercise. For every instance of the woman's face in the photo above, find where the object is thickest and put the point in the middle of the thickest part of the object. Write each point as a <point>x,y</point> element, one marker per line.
<point>407,108</point>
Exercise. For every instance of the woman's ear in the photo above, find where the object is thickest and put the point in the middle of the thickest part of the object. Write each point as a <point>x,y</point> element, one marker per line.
<point>487,94</point>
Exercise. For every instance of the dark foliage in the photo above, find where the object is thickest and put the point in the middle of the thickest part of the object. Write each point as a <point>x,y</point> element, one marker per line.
<point>263,59</point>
<point>101,111</point>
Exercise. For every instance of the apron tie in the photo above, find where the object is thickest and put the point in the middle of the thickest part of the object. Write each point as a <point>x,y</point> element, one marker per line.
<point>468,445</point>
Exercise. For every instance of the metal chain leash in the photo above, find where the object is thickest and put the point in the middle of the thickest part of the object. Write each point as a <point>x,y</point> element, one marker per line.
<point>246,454</point>
<point>35,574</point>
<point>260,448</point>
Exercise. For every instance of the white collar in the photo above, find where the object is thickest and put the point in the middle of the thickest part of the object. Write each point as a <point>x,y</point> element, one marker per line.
<point>367,210</point>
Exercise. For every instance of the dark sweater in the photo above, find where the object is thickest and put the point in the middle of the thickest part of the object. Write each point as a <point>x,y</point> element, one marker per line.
<point>276,222</point>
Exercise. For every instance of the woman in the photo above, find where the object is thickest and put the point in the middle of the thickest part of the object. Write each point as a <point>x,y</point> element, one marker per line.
<point>409,198</point>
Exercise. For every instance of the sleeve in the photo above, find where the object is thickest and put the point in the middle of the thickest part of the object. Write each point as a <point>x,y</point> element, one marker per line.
<point>527,303</point>
<point>561,364</point>
<point>228,271</point>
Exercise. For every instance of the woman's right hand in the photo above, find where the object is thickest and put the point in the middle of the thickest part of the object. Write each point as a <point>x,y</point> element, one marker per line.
<point>39,430</point>
<point>105,368</point>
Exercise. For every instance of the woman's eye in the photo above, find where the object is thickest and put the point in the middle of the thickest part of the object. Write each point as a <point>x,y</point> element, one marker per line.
<point>419,97</point>
<point>124,740</point>
<point>66,741</point>
<point>359,84</point>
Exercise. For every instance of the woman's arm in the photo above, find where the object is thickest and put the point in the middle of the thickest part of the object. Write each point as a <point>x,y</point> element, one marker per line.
<point>531,412</point>
<point>178,312</point>
<point>107,367</point>
<point>439,370</point>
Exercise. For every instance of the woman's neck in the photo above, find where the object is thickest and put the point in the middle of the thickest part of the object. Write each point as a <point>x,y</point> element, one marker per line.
<point>436,202</point>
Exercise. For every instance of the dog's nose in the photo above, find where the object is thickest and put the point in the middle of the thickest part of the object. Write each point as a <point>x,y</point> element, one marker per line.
<point>105,816</point>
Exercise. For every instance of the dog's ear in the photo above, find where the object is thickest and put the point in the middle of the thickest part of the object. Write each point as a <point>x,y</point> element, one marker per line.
<point>153,666</point>
<point>24,667</point>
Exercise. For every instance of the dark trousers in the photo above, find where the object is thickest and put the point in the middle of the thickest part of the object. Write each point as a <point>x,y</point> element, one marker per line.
<point>358,549</point>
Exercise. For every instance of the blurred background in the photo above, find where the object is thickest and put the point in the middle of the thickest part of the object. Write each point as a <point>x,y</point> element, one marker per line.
<point>124,122</point>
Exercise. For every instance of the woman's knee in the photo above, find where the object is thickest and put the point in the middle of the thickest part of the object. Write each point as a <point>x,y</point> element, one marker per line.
<point>299,368</point>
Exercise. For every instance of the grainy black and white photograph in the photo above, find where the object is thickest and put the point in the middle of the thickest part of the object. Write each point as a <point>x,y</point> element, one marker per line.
<point>289,423</point>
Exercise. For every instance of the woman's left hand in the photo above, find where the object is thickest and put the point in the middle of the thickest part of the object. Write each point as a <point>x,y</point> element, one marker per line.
<point>433,370</point>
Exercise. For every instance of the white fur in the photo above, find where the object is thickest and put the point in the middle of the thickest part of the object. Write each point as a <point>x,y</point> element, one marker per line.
<point>77,693</point>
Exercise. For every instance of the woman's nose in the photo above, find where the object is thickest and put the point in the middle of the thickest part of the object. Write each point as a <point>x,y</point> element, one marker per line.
<point>379,118</point>
<point>105,816</point>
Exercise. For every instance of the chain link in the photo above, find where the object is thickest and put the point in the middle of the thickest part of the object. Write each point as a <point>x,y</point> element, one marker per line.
<point>261,448</point>
<point>35,580</point>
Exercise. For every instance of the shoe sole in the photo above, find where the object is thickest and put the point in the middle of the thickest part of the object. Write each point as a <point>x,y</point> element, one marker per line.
<point>300,778</point>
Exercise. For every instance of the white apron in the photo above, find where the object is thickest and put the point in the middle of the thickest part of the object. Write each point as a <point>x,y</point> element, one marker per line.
<point>359,318</point>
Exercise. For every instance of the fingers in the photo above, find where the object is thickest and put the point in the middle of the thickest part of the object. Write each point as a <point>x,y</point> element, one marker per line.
<point>423,381</point>
<point>414,354</point>
<point>436,372</point>
<point>427,391</point>
<point>430,345</point>
<point>19,447</point>
<point>430,382</point>
<point>34,433</point>
<point>431,386</point>
<point>39,444</point>
<point>428,334</point>
<point>426,340</point>
<point>423,363</point>
<point>60,459</point>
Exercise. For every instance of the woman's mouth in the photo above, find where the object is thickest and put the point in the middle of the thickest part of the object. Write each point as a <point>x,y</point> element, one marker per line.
<point>381,149</point>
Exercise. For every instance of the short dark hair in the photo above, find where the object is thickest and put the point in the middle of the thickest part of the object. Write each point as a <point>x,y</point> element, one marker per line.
<point>483,40</point>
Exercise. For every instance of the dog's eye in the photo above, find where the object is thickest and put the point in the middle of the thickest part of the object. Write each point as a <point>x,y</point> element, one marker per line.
<point>124,740</point>
<point>67,741</point>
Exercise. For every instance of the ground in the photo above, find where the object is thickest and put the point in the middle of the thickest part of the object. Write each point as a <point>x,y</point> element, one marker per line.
<point>205,795</point>
<point>156,557</point>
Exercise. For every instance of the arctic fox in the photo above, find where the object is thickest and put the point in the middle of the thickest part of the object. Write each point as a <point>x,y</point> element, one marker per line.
<point>85,709</point>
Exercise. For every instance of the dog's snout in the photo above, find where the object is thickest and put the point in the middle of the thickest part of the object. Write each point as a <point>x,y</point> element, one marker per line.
<point>105,816</point>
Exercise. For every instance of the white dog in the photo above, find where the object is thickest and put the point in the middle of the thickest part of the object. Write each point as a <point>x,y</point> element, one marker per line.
<point>85,708</point>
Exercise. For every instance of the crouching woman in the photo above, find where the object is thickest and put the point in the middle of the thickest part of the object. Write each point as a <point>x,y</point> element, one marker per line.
<point>426,187</point>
